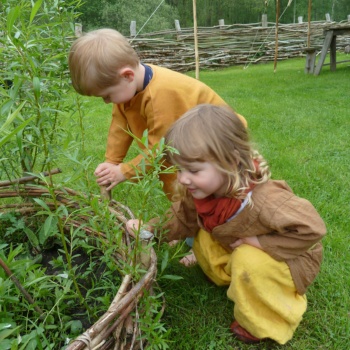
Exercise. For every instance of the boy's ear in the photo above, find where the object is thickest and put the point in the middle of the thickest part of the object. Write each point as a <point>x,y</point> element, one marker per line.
<point>127,73</point>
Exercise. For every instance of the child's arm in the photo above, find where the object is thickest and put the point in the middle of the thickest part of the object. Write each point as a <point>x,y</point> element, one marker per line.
<point>253,241</point>
<point>295,228</point>
<point>181,222</point>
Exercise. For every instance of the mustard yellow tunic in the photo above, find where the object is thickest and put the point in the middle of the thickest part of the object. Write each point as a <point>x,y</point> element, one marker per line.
<point>168,95</point>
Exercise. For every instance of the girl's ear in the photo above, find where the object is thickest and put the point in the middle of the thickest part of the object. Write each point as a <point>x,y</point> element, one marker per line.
<point>127,73</point>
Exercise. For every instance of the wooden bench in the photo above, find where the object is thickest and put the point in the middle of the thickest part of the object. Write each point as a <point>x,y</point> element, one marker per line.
<point>329,43</point>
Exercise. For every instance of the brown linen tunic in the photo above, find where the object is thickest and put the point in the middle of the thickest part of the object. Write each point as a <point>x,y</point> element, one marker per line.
<point>288,228</point>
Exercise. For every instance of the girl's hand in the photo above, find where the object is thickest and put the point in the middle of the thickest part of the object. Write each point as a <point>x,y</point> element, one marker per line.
<point>133,226</point>
<point>253,241</point>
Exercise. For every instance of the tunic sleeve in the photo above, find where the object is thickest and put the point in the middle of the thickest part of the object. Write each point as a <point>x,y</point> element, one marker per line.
<point>118,141</point>
<point>182,221</point>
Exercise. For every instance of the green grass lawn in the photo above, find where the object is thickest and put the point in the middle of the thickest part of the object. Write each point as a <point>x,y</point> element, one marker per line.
<point>301,124</point>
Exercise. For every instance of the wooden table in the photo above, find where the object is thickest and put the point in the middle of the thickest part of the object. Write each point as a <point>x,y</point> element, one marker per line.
<point>330,44</point>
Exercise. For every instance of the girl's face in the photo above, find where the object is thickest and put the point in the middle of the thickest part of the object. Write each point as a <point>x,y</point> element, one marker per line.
<point>202,179</point>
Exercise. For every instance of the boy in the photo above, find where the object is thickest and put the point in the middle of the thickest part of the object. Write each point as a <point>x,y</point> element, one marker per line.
<point>102,63</point>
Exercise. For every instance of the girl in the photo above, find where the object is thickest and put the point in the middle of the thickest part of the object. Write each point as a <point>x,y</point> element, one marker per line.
<point>250,233</point>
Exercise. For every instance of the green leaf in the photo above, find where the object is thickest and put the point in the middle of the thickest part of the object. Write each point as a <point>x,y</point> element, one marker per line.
<point>5,333</point>
<point>15,131</point>
<point>165,260</point>
<point>76,327</point>
<point>144,139</point>
<point>32,237</point>
<point>35,10</point>
<point>36,87</point>
<point>11,18</point>
<point>12,117</point>
<point>48,227</point>
<point>172,277</point>
<point>42,204</point>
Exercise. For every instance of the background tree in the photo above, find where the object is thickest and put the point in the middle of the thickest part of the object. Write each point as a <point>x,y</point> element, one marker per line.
<point>250,11</point>
<point>119,14</point>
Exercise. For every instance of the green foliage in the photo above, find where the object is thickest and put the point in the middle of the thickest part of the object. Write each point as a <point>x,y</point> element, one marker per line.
<point>65,296</point>
<point>250,11</point>
<point>118,15</point>
<point>36,36</point>
<point>66,280</point>
<point>147,175</point>
<point>152,328</point>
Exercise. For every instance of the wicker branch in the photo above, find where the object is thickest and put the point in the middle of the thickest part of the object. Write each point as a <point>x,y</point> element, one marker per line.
<point>28,178</point>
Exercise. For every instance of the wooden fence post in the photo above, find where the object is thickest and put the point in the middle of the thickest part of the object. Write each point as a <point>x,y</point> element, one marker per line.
<point>300,19</point>
<point>328,17</point>
<point>264,20</point>
<point>221,23</point>
<point>133,29</point>
<point>348,18</point>
<point>177,26</point>
<point>78,29</point>
<point>310,60</point>
<point>178,29</point>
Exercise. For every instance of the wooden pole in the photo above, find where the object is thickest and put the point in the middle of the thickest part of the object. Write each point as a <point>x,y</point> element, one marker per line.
<point>309,24</point>
<point>196,55</point>
<point>276,34</point>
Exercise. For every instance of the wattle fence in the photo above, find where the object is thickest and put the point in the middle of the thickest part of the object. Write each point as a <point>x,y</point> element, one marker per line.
<point>228,45</point>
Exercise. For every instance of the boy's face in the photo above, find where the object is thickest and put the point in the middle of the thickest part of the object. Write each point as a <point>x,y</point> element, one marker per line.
<point>121,92</point>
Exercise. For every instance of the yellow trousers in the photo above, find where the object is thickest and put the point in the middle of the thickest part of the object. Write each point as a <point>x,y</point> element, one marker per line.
<point>266,302</point>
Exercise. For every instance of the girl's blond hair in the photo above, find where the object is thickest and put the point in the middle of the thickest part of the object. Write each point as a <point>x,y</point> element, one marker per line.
<point>96,57</point>
<point>215,134</point>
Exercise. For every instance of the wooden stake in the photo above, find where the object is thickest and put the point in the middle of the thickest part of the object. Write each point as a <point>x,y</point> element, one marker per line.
<point>196,55</point>
<point>276,34</point>
<point>309,24</point>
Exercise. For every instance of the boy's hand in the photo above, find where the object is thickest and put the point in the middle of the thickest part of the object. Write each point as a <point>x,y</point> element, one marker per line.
<point>109,175</point>
<point>253,241</point>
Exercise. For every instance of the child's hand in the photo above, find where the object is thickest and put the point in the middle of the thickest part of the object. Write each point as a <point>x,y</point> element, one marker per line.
<point>136,225</point>
<point>109,175</point>
<point>253,241</point>
<point>133,225</point>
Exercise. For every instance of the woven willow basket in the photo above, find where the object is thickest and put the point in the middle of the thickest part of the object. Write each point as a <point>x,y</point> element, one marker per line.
<point>115,329</point>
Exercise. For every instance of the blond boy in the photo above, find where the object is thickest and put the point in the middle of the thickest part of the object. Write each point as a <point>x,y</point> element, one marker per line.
<point>102,63</point>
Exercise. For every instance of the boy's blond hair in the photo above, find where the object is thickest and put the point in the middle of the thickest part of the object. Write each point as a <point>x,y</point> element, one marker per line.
<point>96,57</point>
<point>208,133</point>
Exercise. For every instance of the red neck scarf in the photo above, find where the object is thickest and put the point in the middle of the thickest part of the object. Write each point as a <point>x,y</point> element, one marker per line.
<point>215,211</point>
